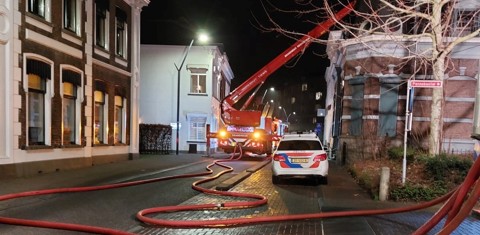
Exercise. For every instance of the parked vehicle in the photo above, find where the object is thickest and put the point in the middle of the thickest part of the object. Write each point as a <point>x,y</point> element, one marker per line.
<point>300,155</point>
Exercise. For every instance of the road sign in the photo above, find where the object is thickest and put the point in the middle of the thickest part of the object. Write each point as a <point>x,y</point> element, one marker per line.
<point>425,83</point>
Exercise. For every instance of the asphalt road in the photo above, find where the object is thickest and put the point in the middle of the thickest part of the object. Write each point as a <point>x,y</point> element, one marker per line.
<point>112,208</point>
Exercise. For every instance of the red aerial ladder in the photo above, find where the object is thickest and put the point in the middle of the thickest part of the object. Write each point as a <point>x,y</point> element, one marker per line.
<point>255,130</point>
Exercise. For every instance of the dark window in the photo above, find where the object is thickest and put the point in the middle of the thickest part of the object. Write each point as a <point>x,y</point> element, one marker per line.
<point>37,7</point>
<point>387,120</point>
<point>121,32</point>
<point>101,23</point>
<point>70,20</point>
<point>356,108</point>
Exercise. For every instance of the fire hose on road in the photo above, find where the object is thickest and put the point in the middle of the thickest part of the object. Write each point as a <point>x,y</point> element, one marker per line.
<point>457,206</point>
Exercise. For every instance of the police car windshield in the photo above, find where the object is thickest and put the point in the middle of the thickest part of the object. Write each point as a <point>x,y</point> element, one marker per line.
<point>299,145</point>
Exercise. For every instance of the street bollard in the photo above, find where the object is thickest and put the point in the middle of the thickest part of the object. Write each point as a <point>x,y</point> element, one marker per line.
<point>384,182</point>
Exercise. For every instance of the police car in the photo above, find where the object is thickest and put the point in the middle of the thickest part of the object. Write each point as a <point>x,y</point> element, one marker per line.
<point>300,155</point>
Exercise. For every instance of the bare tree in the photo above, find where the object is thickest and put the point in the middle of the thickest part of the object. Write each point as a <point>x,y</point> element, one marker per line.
<point>444,24</point>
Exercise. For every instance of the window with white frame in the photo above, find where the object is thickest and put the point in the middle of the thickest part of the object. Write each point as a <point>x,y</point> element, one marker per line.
<point>101,23</point>
<point>40,8</point>
<point>71,15</point>
<point>71,106</point>
<point>196,127</point>
<point>38,102</point>
<point>121,33</point>
<point>466,22</point>
<point>198,80</point>
<point>100,117</point>
<point>120,120</point>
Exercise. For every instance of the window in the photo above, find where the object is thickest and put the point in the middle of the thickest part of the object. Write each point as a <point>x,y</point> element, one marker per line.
<point>71,107</point>
<point>69,97</point>
<point>216,78</point>
<point>356,108</point>
<point>304,87</point>
<point>466,22</point>
<point>387,120</point>
<point>120,116</point>
<point>121,33</point>
<point>38,75</point>
<point>40,8</point>
<point>197,84</point>
<point>223,88</point>
<point>100,117</point>
<point>196,128</point>
<point>36,110</point>
<point>101,23</point>
<point>71,15</point>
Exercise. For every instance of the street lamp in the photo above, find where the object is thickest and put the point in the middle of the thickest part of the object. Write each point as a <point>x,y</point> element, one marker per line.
<point>285,112</point>
<point>265,93</point>
<point>202,38</point>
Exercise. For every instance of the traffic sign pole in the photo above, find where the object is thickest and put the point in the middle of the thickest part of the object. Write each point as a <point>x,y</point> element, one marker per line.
<point>409,114</point>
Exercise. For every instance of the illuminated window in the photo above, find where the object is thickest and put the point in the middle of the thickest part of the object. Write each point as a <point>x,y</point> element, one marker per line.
<point>304,87</point>
<point>100,118</point>
<point>71,106</point>
<point>101,23</point>
<point>38,104</point>
<point>69,97</point>
<point>120,116</point>
<point>198,80</point>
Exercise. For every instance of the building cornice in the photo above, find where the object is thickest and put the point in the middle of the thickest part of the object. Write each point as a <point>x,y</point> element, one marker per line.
<point>138,4</point>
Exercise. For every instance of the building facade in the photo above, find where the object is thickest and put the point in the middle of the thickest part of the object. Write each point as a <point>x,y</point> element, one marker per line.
<point>69,80</point>
<point>205,79</point>
<point>367,93</point>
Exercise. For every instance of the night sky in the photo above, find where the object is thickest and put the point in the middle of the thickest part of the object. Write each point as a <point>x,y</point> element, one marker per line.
<point>234,24</point>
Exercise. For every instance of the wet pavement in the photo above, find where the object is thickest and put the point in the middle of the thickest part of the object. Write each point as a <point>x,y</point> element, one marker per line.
<point>341,194</point>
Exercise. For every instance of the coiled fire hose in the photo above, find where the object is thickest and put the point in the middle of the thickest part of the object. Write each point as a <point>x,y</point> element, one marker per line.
<point>459,203</point>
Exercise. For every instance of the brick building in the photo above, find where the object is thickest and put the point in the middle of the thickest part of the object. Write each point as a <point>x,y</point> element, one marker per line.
<point>70,78</point>
<point>367,92</point>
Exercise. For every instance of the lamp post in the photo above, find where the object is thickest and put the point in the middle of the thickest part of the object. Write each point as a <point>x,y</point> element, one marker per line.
<point>285,112</point>
<point>202,37</point>
<point>265,93</point>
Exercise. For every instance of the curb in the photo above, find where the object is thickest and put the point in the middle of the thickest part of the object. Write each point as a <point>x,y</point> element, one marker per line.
<point>229,183</point>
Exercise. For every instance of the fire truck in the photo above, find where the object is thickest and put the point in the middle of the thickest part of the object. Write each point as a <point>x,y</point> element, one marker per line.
<point>255,130</point>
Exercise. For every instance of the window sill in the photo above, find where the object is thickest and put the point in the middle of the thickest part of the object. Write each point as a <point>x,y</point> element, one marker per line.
<point>71,146</point>
<point>120,144</point>
<point>196,141</point>
<point>100,145</point>
<point>198,94</point>
<point>37,147</point>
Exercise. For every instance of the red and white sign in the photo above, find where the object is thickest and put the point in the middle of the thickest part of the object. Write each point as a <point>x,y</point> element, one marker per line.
<point>425,83</point>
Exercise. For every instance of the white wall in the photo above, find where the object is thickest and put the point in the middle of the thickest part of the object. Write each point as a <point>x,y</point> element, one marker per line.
<point>158,89</point>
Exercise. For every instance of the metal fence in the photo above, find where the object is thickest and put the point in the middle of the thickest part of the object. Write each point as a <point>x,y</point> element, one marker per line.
<point>155,138</point>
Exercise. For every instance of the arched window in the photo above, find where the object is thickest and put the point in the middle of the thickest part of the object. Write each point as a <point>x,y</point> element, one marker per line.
<point>38,74</point>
